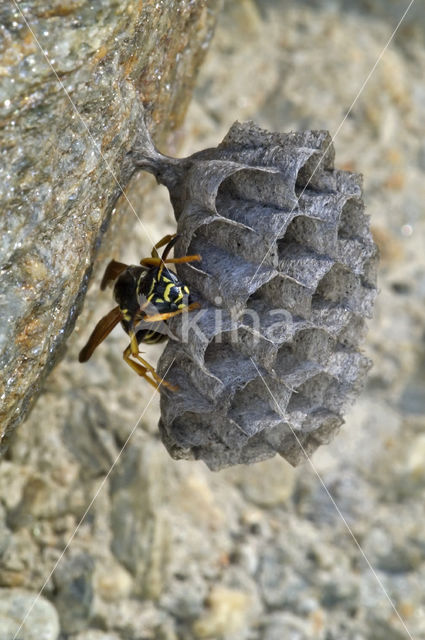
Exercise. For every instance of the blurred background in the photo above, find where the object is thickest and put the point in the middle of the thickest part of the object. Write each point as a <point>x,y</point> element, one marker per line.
<point>170,550</point>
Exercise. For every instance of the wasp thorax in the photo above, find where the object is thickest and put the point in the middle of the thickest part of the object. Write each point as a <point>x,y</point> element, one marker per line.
<point>163,289</point>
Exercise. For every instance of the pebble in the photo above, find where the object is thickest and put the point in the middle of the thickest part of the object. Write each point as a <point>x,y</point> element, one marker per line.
<point>94,634</point>
<point>286,625</point>
<point>415,458</point>
<point>74,597</point>
<point>227,614</point>
<point>42,623</point>
<point>267,484</point>
<point>111,580</point>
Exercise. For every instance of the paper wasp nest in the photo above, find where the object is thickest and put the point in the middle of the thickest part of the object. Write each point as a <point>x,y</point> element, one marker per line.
<point>287,277</point>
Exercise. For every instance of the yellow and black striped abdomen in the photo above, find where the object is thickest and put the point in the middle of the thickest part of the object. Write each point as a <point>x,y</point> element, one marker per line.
<point>150,337</point>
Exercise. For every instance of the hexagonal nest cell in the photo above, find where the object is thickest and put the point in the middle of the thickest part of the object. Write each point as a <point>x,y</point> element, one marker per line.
<point>288,275</point>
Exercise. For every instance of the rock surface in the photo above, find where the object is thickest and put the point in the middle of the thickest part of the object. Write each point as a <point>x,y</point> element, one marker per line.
<point>41,619</point>
<point>75,77</point>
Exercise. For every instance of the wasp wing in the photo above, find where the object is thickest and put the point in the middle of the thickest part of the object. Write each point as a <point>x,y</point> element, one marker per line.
<point>100,332</point>
<point>112,271</point>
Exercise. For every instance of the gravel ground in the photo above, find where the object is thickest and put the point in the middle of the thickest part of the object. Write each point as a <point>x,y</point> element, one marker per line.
<point>334,549</point>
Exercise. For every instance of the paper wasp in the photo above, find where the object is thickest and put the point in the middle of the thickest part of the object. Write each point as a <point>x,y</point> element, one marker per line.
<point>140,290</point>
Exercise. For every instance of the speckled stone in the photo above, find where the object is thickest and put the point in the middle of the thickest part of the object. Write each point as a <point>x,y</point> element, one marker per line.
<point>42,623</point>
<point>94,634</point>
<point>68,121</point>
<point>228,614</point>
<point>74,591</point>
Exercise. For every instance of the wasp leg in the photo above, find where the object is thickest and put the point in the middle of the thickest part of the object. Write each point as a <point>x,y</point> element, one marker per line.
<point>159,381</point>
<point>112,271</point>
<point>151,262</point>
<point>144,369</point>
<point>156,262</point>
<point>133,349</point>
<point>164,316</point>
<point>168,240</point>
<point>194,258</point>
<point>100,332</point>
<point>138,368</point>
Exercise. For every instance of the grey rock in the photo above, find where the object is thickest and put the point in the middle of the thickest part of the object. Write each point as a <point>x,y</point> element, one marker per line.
<point>273,578</point>
<point>266,484</point>
<point>230,613</point>
<point>288,274</point>
<point>96,635</point>
<point>34,617</point>
<point>380,629</point>
<point>140,537</point>
<point>74,591</point>
<point>91,446</point>
<point>286,624</point>
<point>5,536</point>
<point>67,128</point>
<point>412,400</point>
<point>340,594</point>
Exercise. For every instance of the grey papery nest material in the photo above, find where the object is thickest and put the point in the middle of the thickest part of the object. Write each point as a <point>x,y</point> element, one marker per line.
<point>287,278</point>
